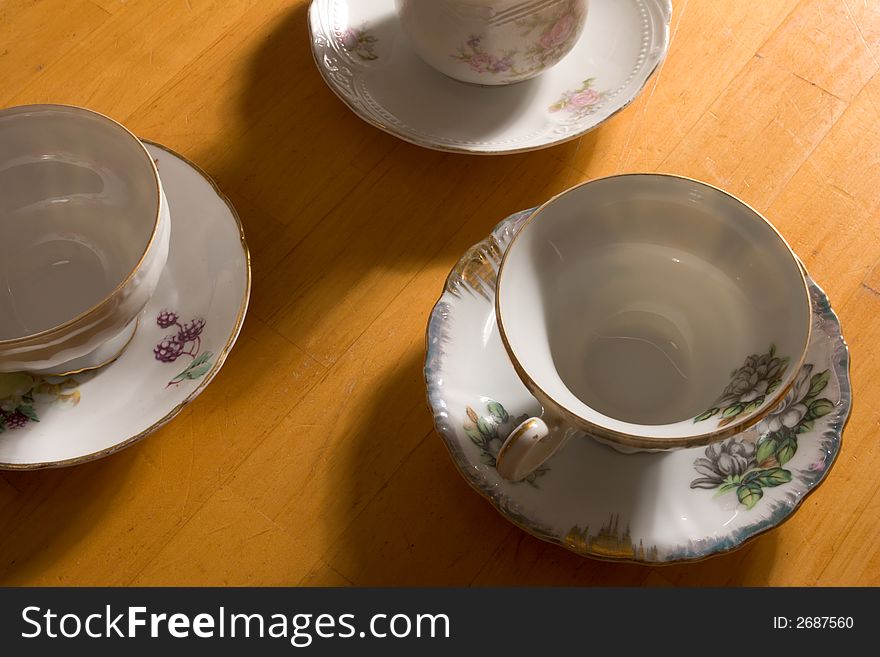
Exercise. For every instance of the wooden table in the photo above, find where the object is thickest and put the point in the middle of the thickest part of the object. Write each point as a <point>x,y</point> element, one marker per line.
<point>312,458</point>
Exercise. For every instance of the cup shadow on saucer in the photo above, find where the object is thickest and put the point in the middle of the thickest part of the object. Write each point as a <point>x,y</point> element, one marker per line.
<point>448,101</point>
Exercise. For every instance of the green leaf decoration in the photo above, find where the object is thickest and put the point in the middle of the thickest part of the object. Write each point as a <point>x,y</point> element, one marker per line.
<point>766,449</point>
<point>198,372</point>
<point>487,428</point>
<point>733,411</point>
<point>818,383</point>
<point>821,407</point>
<point>786,450</point>
<point>730,485</point>
<point>201,360</point>
<point>773,385</point>
<point>754,405</point>
<point>706,415</point>
<point>29,412</point>
<point>805,426</point>
<point>773,477</point>
<point>196,369</point>
<point>487,459</point>
<point>498,412</point>
<point>476,437</point>
<point>749,494</point>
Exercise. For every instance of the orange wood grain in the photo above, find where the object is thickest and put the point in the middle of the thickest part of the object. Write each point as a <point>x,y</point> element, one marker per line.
<point>312,459</point>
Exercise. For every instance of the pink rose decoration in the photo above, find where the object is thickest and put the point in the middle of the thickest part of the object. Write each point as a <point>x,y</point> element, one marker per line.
<point>584,98</point>
<point>349,39</point>
<point>481,62</point>
<point>561,32</point>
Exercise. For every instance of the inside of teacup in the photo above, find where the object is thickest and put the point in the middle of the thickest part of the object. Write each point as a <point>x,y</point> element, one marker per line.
<point>79,202</point>
<point>642,303</point>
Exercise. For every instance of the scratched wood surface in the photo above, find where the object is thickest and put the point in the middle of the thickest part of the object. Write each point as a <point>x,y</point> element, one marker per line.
<point>312,459</point>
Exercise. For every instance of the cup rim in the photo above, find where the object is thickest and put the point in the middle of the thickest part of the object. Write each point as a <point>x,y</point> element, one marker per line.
<point>157,184</point>
<point>635,440</point>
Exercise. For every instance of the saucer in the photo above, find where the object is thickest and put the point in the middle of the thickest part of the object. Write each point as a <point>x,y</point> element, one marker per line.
<point>367,61</point>
<point>184,336</point>
<point>657,507</point>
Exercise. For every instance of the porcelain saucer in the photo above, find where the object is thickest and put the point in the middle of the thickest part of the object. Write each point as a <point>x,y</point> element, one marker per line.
<point>183,338</point>
<point>647,507</point>
<point>367,61</point>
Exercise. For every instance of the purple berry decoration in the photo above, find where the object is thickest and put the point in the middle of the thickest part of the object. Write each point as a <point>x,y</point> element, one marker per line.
<point>169,349</point>
<point>167,318</point>
<point>16,420</point>
<point>191,330</point>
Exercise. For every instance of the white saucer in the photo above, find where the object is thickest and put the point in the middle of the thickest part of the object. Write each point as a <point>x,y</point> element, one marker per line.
<point>364,58</point>
<point>651,508</point>
<point>184,336</point>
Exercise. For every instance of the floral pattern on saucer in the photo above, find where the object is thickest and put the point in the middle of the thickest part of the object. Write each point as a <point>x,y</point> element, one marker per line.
<point>360,42</point>
<point>579,103</point>
<point>187,341</point>
<point>489,431</point>
<point>751,463</point>
<point>21,395</point>
<point>662,507</point>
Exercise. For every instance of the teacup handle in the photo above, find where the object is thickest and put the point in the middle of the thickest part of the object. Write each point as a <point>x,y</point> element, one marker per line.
<point>529,446</point>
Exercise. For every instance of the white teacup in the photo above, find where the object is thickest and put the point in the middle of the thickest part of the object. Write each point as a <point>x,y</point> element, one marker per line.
<point>651,311</point>
<point>84,233</point>
<point>492,42</point>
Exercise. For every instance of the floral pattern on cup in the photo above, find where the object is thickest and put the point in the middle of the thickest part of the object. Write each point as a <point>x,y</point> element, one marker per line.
<point>749,386</point>
<point>360,42</point>
<point>556,34</point>
<point>187,341</point>
<point>21,393</point>
<point>489,431</point>
<point>581,102</point>
<point>475,56</point>
<point>748,465</point>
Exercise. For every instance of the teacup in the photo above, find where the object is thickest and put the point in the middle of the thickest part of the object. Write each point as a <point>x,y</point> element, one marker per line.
<point>650,311</point>
<point>84,236</point>
<point>492,42</point>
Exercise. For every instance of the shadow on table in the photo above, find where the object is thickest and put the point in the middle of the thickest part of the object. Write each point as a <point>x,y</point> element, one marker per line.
<point>45,514</point>
<point>327,199</point>
<point>412,520</point>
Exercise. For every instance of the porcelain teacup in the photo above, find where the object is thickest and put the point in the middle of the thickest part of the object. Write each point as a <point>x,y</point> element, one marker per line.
<point>84,234</point>
<point>492,42</point>
<point>650,311</point>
